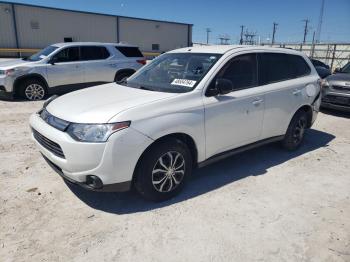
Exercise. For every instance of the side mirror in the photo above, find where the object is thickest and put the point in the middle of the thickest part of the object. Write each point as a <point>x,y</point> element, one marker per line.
<point>224,86</point>
<point>337,70</point>
<point>53,60</point>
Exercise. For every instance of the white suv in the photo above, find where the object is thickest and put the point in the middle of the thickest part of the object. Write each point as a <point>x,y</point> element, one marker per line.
<point>187,108</point>
<point>66,66</point>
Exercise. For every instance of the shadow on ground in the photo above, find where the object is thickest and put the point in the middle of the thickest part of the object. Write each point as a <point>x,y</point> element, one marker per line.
<point>251,163</point>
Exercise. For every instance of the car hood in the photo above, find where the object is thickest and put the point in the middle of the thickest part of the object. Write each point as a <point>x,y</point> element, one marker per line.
<point>339,77</point>
<point>101,103</point>
<point>13,63</point>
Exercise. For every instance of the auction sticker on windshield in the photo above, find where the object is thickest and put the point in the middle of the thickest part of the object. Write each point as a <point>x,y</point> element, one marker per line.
<point>184,82</point>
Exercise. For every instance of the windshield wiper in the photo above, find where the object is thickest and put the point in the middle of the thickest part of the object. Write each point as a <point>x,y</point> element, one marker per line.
<point>146,88</point>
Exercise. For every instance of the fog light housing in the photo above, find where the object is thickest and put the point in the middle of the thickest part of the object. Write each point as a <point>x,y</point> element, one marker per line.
<point>94,182</point>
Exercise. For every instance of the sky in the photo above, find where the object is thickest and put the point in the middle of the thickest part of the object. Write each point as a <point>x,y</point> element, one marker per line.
<point>224,17</point>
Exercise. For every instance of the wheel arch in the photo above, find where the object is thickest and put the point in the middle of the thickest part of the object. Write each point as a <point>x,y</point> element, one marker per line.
<point>183,137</point>
<point>308,110</point>
<point>20,80</point>
<point>124,70</point>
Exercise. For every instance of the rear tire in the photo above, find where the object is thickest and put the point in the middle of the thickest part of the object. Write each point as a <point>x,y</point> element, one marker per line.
<point>296,131</point>
<point>163,170</point>
<point>32,89</point>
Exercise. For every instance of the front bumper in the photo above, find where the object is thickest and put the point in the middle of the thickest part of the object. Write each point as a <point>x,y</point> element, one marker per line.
<point>6,84</point>
<point>336,100</point>
<point>117,187</point>
<point>112,162</point>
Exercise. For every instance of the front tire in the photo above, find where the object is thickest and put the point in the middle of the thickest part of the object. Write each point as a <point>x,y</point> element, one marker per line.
<point>32,89</point>
<point>296,131</point>
<point>163,170</point>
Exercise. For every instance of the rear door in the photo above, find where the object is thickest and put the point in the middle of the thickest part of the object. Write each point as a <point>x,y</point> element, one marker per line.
<point>284,77</point>
<point>66,68</point>
<point>96,64</point>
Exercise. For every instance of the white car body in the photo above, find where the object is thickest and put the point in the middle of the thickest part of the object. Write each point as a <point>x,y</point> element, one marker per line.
<point>215,124</point>
<point>55,76</point>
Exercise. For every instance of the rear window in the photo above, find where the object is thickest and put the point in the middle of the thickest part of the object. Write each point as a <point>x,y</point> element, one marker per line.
<point>276,67</point>
<point>129,51</point>
<point>93,53</point>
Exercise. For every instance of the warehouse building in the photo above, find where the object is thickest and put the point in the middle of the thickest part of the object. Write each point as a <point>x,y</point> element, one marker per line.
<point>33,27</point>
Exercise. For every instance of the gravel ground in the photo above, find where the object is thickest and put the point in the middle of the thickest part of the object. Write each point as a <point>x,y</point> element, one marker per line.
<point>262,205</point>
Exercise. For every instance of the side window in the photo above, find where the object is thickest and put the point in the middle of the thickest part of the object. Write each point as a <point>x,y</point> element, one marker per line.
<point>69,54</point>
<point>129,51</point>
<point>299,65</point>
<point>241,70</point>
<point>275,67</point>
<point>93,53</point>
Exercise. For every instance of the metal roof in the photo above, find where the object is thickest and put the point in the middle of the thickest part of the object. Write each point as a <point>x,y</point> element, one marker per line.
<point>93,13</point>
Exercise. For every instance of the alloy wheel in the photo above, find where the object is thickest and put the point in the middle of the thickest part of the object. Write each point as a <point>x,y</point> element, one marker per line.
<point>168,172</point>
<point>35,92</point>
<point>299,131</point>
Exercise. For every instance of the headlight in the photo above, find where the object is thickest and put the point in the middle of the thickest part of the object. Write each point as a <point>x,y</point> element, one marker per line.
<point>324,83</point>
<point>95,132</point>
<point>7,72</point>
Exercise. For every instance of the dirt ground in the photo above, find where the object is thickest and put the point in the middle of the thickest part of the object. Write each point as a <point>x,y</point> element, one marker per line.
<point>262,205</point>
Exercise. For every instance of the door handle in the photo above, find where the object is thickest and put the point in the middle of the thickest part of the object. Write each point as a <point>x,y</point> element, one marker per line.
<point>257,102</point>
<point>296,92</point>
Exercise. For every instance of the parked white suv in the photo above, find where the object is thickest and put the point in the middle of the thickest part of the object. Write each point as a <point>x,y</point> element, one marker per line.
<point>66,66</point>
<point>187,108</point>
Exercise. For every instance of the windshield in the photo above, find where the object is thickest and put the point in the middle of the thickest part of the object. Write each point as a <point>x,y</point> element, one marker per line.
<point>173,72</point>
<point>346,68</point>
<point>42,53</point>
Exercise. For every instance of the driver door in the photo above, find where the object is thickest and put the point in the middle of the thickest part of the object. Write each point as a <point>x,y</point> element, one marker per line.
<point>66,68</point>
<point>234,119</point>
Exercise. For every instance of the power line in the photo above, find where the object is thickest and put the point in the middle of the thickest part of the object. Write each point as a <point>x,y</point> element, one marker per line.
<point>274,32</point>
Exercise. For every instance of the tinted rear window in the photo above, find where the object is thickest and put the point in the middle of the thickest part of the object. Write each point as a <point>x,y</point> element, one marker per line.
<point>276,67</point>
<point>129,51</point>
<point>93,52</point>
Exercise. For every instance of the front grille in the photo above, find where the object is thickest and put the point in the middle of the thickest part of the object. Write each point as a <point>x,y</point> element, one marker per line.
<point>341,88</point>
<point>338,100</point>
<point>48,144</point>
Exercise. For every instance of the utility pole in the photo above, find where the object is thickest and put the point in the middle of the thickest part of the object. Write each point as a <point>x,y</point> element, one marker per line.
<point>313,45</point>
<point>320,21</point>
<point>306,29</point>
<point>274,32</point>
<point>241,40</point>
<point>208,30</point>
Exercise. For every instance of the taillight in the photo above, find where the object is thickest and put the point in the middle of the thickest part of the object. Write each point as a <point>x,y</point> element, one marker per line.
<point>142,61</point>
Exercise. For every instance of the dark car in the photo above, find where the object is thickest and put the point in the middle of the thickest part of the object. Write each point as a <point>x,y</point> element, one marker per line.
<point>336,89</point>
<point>319,63</point>
<point>322,69</point>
